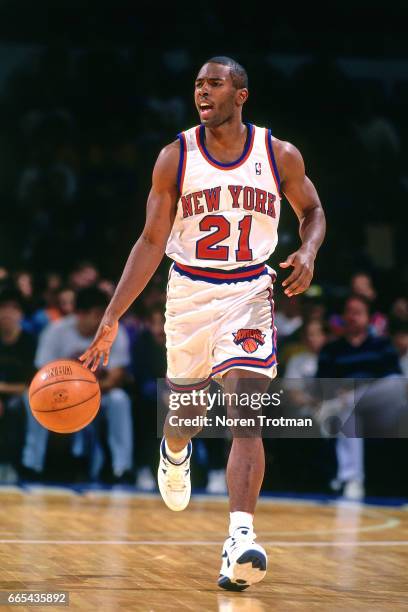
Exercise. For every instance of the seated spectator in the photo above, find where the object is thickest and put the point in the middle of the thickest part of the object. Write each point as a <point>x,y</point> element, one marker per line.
<point>358,354</point>
<point>23,281</point>
<point>25,284</point>
<point>61,304</point>
<point>65,303</point>
<point>399,335</point>
<point>68,338</point>
<point>304,363</point>
<point>361,284</point>
<point>17,350</point>
<point>399,310</point>
<point>288,317</point>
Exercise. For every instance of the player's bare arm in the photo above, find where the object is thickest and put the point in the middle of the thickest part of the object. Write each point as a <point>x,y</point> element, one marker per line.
<point>303,197</point>
<point>145,255</point>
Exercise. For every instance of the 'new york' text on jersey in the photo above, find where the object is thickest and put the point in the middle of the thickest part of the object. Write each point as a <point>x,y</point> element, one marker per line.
<point>228,213</point>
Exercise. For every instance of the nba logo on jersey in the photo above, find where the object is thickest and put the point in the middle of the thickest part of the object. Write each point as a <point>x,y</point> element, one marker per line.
<point>258,168</point>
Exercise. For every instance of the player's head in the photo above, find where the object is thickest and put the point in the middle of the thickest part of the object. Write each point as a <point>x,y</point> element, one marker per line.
<point>221,89</point>
<point>91,303</point>
<point>356,314</point>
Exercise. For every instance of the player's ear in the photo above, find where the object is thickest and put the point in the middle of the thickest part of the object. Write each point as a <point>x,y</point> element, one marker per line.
<point>242,96</point>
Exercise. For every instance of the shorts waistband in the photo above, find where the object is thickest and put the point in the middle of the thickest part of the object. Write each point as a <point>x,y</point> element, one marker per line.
<point>214,275</point>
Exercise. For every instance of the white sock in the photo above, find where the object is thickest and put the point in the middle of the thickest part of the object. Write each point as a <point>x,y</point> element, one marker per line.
<point>240,519</point>
<point>175,457</point>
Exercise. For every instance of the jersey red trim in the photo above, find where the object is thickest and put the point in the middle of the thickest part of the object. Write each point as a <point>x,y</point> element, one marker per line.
<point>183,161</point>
<point>272,164</point>
<point>194,271</point>
<point>245,361</point>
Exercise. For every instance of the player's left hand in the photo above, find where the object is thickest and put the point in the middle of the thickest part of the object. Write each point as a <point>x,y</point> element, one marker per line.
<point>302,262</point>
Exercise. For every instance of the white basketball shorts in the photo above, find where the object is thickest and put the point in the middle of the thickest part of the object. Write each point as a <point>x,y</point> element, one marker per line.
<point>217,320</point>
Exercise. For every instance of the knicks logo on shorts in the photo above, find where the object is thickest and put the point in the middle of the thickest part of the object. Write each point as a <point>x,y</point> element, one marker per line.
<point>249,339</point>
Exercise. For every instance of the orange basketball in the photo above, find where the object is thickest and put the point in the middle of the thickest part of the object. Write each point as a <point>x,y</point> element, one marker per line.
<point>64,396</point>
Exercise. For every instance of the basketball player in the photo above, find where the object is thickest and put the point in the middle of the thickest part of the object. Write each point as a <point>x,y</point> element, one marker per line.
<point>214,209</point>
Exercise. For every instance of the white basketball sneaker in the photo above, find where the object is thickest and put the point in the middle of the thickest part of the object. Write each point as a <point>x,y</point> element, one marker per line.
<point>174,480</point>
<point>243,562</point>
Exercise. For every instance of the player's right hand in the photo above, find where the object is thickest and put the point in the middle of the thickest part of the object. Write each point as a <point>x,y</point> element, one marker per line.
<point>101,346</point>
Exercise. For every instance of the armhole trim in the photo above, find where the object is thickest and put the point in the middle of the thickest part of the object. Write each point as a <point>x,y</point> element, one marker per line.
<point>272,160</point>
<point>182,161</point>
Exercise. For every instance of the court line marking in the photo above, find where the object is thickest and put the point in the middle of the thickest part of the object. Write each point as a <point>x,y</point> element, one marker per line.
<point>278,543</point>
<point>388,524</point>
<point>360,509</point>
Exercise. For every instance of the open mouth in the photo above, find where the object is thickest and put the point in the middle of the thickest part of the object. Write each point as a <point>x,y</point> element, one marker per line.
<point>205,109</point>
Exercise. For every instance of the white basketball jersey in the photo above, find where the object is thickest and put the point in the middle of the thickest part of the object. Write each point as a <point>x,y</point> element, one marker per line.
<point>228,213</point>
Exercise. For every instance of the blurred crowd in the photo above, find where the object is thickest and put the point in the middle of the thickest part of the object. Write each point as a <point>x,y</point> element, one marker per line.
<point>57,318</point>
<point>81,128</point>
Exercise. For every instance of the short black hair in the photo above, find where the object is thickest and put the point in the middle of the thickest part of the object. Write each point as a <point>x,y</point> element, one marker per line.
<point>238,73</point>
<point>11,295</point>
<point>91,297</point>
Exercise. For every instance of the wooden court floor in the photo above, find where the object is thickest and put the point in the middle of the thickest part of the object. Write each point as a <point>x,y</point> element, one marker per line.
<point>123,552</point>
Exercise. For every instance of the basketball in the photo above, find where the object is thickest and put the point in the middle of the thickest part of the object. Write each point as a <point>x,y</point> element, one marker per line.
<point>64,396</point>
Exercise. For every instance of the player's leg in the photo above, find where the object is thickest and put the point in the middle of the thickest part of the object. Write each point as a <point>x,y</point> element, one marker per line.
<point>244,561</point>
<point>188,340</point>
<point>246,463</point>
<point>176,448</point>
<point>177,431</point>
<point>245,358</point>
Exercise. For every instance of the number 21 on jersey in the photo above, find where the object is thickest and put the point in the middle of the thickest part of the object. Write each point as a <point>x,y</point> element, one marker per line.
<point>209,247</point>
